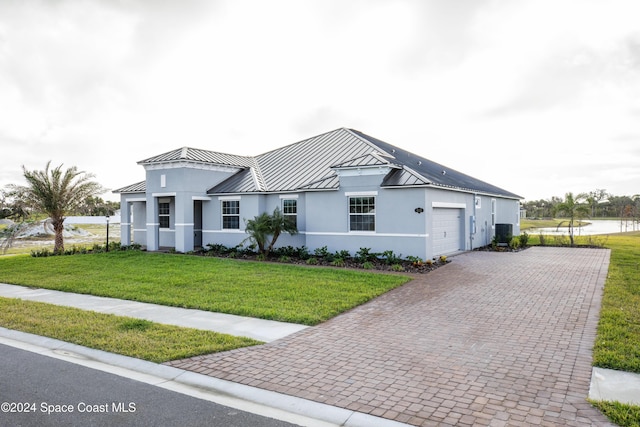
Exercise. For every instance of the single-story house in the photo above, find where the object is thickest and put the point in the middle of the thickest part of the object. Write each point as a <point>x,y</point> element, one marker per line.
<point>344,189</point>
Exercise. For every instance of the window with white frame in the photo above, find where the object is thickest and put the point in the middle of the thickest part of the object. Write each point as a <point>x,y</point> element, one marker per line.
<point>290,210</point>
<point>164,214</point>
<point>362,213</point>
<point>231,214</point>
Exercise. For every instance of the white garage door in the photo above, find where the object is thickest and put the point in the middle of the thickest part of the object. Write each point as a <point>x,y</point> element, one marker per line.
<point>447,225</point>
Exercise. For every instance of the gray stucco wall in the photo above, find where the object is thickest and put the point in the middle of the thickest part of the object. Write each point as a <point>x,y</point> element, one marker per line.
<point>404,217</point>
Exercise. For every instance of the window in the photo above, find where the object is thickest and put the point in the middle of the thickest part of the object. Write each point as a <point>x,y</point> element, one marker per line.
<point>362,213</point>
<point>290,210</point>
<point>231,214</point>
<point>163,214</point>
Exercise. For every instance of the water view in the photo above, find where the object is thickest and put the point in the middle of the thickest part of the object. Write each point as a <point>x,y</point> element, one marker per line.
<point>597,226</point>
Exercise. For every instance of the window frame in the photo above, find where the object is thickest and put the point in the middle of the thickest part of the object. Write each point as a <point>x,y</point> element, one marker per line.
<point>164,214</point>
<point>369,215</point>
<point>292,214</point>
<point>226,215</point>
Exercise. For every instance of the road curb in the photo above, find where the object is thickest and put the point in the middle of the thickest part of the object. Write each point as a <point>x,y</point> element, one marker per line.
<point>250,399</point>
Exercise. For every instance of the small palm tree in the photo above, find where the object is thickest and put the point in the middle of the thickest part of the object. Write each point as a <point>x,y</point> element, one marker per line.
<point>572,209</point>
<point>57,193</point>
<point>264,226</point>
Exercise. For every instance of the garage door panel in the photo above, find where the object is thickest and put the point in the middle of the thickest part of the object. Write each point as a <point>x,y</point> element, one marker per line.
<point>447,230</point>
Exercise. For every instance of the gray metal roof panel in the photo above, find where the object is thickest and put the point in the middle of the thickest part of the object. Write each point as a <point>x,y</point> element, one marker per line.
<point>435,173</point>
<point>138,187</point>
<point>200,156</point>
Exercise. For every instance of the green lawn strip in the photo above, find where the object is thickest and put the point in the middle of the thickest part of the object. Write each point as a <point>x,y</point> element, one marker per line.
<point>619,413</point>
<point>618,340</point>
<point>288,293</point>
<point>137,338</point>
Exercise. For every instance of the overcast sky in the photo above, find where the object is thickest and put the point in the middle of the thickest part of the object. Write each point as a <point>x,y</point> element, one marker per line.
<point>537,97</point>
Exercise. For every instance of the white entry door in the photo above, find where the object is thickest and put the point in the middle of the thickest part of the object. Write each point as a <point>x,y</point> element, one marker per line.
<point>447,230</point>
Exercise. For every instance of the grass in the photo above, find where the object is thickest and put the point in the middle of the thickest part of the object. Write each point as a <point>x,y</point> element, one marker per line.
<point>618,341</point>
<point>619,413</point>
<point>116,334</point>
<point>288,293</point>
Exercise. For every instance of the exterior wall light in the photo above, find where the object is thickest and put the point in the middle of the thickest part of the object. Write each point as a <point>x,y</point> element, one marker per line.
<point>419,210</point>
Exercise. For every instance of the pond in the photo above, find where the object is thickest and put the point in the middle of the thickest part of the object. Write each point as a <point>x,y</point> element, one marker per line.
<point>596,226</point>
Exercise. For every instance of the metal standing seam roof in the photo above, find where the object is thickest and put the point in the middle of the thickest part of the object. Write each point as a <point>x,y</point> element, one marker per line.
<point>311,165</point>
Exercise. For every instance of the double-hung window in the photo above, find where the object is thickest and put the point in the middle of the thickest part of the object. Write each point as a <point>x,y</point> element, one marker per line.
<point>290,210</point>
<point>231,214</point>
<point>362,213</point>
<point>164,214</point>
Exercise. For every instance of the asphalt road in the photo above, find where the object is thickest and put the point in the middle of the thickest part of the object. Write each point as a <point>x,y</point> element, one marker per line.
<point>37,390</point>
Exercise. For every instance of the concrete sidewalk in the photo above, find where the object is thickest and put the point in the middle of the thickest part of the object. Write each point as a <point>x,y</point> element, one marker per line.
<point>263,330</point>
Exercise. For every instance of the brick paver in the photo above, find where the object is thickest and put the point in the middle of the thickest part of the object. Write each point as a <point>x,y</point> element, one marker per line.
<point>491,339</point>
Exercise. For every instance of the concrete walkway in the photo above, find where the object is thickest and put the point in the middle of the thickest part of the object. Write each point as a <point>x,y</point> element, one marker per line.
<point>263,330</point>
<point>490,339</point>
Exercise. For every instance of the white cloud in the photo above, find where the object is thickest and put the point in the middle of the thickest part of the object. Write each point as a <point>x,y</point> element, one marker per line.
<point>472,85</point>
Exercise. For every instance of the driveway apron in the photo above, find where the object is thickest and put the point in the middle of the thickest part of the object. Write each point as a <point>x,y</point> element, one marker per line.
<point>489,339</point>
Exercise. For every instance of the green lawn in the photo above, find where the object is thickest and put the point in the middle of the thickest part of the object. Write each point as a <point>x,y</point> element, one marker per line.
<point>618,341</point>
<point>123,335</point>
<point>286,293</point>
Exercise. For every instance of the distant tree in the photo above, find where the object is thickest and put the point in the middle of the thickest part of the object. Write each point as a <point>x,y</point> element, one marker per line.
<point>573,210</point>
<point>265,229</point>
<point>95,206</point>
<point>57,193</point>
<point>12,207</point>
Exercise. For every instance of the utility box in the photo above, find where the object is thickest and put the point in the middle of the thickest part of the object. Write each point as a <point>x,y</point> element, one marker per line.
<point>504,233</point>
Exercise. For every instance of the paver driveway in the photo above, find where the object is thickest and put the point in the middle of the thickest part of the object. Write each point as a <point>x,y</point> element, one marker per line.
<point>489,339</point>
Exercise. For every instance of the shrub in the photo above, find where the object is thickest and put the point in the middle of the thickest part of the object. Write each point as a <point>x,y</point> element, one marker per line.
<point>38,253</point>
<point>303,253</point>
<point>443,259</point>
<point>364,254</point>
<point>524,239</point>
<point>397,267</point>
<point>542,240</point>
<point>342,255</point>
<point>323,253</point>
<point>283,258</point>
<point>391,258</point>
<point>338,262</point>
<point>312,261</point>
<point>514,243</point>
<point>368,265</point>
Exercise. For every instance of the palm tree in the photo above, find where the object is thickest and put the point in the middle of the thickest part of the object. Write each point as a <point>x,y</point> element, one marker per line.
<point>572,209</point>
<point>57,193</point>
<point>264,225</point>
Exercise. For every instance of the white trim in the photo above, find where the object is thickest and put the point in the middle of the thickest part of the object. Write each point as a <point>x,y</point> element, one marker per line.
<point>163,181</point>
<point>201,198</point>
<point>184,224</point>
<point>226,230</point>
<point>167,230</point>
<point>360,193</point>
<point>135,199</point>
<point>139,230</point>
<point>229,197</point>
<point>361,233</point>
<point>172,164</point>
<point>288,196</point>
<point>153,223</point>
<point>125,223</point>
<point>173,194</point>
<point>448,205</point>
<point>363,171</point>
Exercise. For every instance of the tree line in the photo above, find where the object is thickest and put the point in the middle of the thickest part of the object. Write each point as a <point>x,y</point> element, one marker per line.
<point>598,204</point>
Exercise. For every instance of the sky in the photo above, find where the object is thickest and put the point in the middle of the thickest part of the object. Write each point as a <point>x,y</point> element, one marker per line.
<point>538,97</point>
